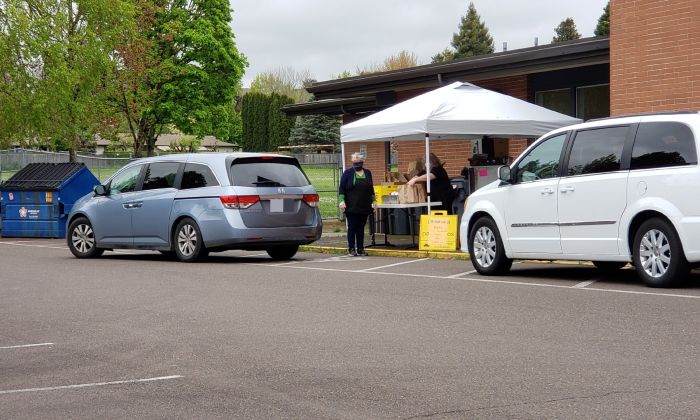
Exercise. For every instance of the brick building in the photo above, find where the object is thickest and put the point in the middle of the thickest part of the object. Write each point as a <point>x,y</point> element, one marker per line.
<point>650,62</point>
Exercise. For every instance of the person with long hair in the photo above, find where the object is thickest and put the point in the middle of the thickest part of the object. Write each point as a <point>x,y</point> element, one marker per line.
<point>440,186</point>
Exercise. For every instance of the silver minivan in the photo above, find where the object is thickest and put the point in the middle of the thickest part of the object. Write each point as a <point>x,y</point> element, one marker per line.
<point>191,204</point>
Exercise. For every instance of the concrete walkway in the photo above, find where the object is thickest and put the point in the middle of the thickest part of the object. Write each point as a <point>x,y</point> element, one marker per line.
<point>400,246</point>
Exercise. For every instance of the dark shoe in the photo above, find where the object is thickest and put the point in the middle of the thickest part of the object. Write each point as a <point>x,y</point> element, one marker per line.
<point>362,253</point>
<point>352,253</point>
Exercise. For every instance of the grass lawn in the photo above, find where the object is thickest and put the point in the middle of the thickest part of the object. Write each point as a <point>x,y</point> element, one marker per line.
<point>325,179</point>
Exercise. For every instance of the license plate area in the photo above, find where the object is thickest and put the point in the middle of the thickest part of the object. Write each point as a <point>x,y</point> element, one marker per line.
<point>276,205</point>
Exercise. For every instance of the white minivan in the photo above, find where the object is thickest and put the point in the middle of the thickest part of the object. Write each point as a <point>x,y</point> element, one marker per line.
<point>613,191</point>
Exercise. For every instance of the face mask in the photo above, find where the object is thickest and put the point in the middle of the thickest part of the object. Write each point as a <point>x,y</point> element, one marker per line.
<point>357,166</point>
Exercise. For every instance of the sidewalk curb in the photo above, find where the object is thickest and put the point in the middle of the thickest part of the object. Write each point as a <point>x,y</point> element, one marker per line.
<point>406,253</point>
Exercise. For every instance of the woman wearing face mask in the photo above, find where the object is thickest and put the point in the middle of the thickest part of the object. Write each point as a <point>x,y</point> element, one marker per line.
<point>356,198</point>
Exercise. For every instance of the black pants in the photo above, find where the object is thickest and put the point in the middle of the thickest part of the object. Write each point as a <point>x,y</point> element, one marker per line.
<point>356,230</point>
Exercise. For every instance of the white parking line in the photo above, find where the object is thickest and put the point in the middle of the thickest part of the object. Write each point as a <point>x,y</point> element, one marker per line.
<point>54,388</point>
<point>466,273</point>
<point>584,284</point>
<point>391,265</point>
<point>485,280</point>
<point>21,346</point>
<point>253,255</point>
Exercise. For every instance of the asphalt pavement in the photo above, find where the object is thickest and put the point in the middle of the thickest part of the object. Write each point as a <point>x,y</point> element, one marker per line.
<point>136,335</point>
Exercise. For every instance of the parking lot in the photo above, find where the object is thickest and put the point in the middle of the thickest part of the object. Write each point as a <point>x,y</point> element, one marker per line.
<point>134,334</point>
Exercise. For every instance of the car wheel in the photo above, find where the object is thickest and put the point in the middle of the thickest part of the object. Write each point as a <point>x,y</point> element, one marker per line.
<point>81,239</point>
<point>283,252</point>
<point>609,266</point>
<point>486,248</point>
<point>187,239</point>
<point>658,254</point>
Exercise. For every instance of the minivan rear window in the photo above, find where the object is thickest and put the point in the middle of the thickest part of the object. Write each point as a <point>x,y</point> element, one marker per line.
<point>267,172</point>
<point>661,144</point>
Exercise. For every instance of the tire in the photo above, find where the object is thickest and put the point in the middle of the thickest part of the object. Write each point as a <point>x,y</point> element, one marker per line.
<point>609,266</point>
<point>283,252</point>
<point>188,241</point>
<point>489,258</point>
<point>658,254</point>
<point>81,239</point>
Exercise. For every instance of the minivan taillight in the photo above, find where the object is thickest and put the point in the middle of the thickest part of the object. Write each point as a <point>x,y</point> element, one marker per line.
<point>311,199</point>
<point>239,201</point>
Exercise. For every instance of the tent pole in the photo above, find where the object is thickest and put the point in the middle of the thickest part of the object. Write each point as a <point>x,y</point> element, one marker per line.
<point>342,155</point>
<point>427,167</point>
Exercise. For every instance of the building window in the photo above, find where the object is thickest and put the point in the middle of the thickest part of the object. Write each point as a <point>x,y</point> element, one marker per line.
<point>558,100</point>
<point>593,102</point>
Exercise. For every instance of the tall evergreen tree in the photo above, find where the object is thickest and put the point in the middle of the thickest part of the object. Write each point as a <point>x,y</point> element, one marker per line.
<point>472,38</point>
<point>603,27</point>
<point>279,125</point>
<point>566,31</point>
<point>256,116</point>
<point>315,129</point>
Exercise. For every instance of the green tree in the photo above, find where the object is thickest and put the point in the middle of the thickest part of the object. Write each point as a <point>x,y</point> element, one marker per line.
<point>56,66</point>
<point>180,67</point>
<point>282,81</point>
<point>446,55</point>
<point>279,125</point>
<point>186,144</point>
<point>603,27</point>
<point>315,129</point>
<point>566,31</point>
<point>255,116</point>
<point>472,38</point>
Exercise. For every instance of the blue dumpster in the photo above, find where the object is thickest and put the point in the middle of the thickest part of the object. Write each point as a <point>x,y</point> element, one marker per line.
<point>36,201</point>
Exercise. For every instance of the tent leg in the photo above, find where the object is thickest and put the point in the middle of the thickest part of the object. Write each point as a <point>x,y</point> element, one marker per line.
<point>342,155</point>
<point>427,167</point>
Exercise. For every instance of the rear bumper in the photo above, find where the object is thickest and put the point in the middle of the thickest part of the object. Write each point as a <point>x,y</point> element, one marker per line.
<point>227,231</point>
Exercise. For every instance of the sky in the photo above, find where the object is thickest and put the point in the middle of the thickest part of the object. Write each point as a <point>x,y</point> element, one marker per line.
<point>327,37</point>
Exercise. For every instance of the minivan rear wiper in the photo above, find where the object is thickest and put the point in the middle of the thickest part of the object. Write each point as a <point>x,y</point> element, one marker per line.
<point>269,182</point>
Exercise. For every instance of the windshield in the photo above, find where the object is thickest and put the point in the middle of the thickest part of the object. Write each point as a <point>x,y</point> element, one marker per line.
<point>267,172</point>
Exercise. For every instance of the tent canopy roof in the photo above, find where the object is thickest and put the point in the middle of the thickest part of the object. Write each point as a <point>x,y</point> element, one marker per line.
<point>457,111</point>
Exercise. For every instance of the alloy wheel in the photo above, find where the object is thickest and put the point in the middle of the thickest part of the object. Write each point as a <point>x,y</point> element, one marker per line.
<point>655,253</point>
<point>187,240</point>
<point>83,238</point>
<point>485,246</point>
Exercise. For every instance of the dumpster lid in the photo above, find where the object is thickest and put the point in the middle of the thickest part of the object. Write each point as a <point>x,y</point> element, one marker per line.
<point>41,176</point>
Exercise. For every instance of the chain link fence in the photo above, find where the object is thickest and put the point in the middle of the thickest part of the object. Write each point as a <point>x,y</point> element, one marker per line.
<point>323,176</point>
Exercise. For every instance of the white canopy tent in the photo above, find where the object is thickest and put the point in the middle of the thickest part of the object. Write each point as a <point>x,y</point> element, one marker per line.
<point>457,111</point>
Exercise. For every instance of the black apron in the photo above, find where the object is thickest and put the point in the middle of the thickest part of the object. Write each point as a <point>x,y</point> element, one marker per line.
<point>358,200</point>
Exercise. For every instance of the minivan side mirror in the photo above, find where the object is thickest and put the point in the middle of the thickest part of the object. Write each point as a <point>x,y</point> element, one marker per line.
<point>504,174</point>
<point>100,190</point>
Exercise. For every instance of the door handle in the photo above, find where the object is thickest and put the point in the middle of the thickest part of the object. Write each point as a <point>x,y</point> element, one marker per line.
<point>567,189</point>
<point>132,205</point>
<point>547,191</point>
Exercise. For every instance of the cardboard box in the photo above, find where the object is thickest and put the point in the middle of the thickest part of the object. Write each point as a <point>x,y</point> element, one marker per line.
<point>412,193</point>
